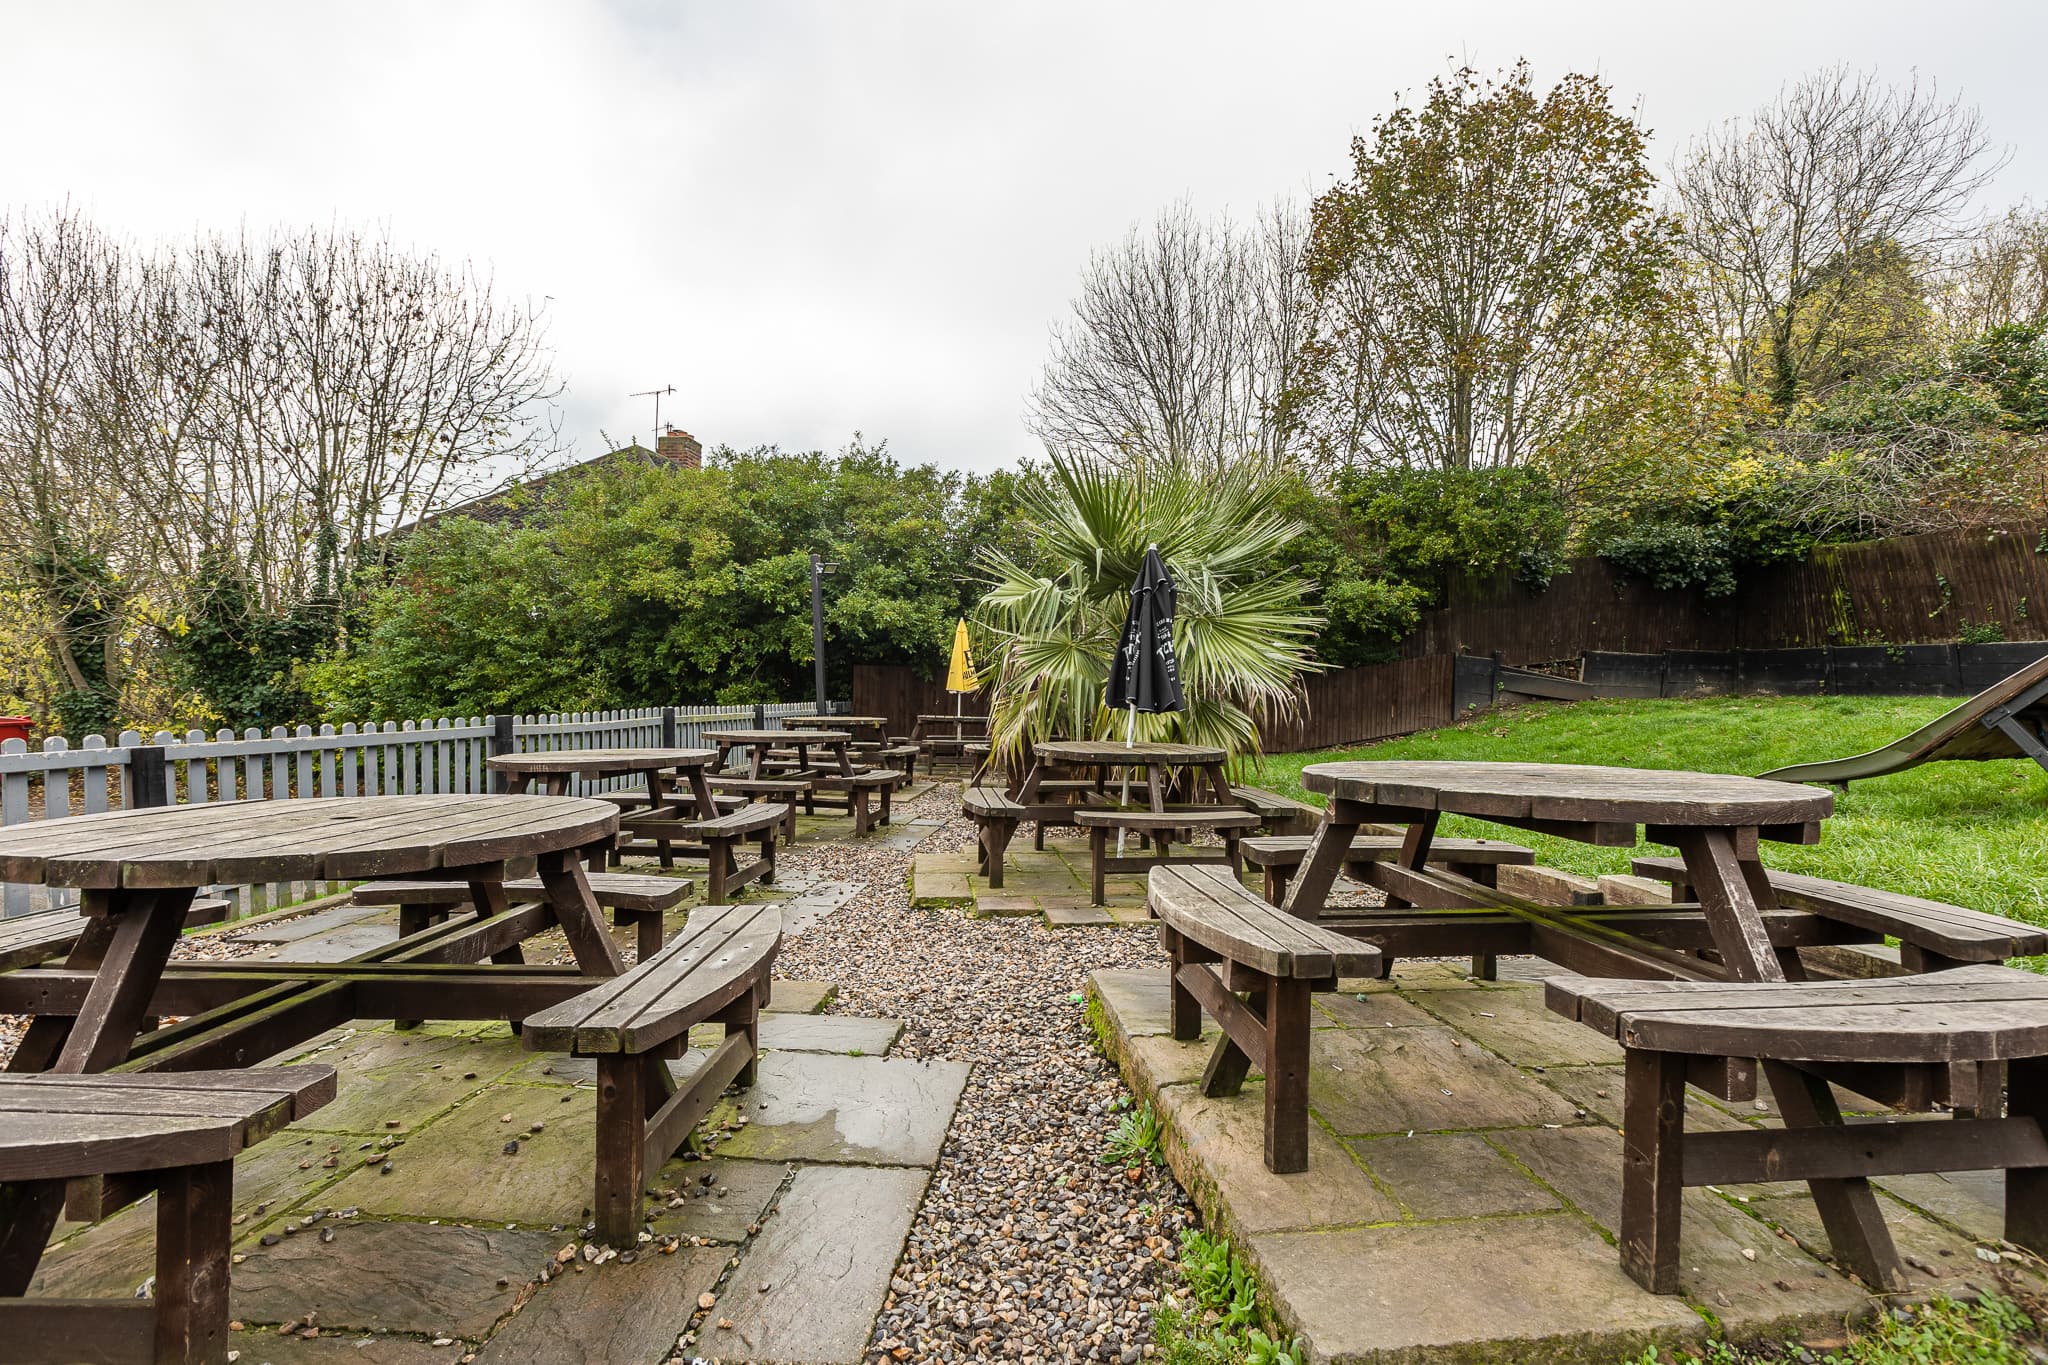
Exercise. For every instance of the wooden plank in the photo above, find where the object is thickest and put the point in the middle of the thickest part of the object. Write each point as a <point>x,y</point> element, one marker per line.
<point>1864,1149</point>
<point>1246,1029</point>
<point>67,1331</point>
<point>1213,909</point>
<point>672,1124</point>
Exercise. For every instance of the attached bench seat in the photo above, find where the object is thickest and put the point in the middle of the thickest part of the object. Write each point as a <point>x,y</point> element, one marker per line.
<point>995,818</point>
<point>177,1134</point>
<point>1222,939</point>
<point>29,940</point>
<point>859,789</point>
<point>715,971</point>
<point>902,757</point>
<point>789,792</point>
<point>1807,1032</point>
<point>635,898</point>
<point>1933,936</point>
<point>1279,815</point>
<point>1279,855</point>
<point>1160,827</point>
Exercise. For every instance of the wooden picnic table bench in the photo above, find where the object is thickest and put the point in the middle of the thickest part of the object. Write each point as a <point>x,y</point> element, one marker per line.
<point>1278,815</point>
<point>26,940</point>
<point>995,818</point>
<point>177,1136</point>
<point>861,791</point>
<point>1932,935</point>
<point>715,971</point>
<point>760,743</point>
<point>1278,855</point>
<point>137,870</point>
<point>1160,828</point>
<point>1222,939</point>
<point>635,898</point>
<point>719,841</point>
<point>1805,1033</point>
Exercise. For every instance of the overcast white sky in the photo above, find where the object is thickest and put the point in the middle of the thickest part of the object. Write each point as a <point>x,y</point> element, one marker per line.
<point>816,218</point>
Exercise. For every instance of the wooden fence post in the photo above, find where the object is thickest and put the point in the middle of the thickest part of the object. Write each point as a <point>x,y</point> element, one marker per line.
<point>668,727</point>
<point>502,741</point>
<point>148,777</point>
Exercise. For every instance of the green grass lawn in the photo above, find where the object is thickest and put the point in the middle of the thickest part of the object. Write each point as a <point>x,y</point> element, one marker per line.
<point>1974,834</point>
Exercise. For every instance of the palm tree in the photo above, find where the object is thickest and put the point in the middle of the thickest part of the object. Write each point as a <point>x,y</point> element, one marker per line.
<point>1241,630</point>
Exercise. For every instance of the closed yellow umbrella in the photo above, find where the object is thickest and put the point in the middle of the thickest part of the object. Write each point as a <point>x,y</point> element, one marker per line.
<point>960,673</point>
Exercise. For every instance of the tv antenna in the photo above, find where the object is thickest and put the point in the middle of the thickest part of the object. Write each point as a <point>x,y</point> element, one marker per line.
<point>657,395</point>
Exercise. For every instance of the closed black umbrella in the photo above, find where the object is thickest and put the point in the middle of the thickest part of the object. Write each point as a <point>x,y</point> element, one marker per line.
<point>1145,675</point>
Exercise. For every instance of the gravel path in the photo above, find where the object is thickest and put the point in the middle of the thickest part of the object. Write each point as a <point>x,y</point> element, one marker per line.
<point>1027,1247</point>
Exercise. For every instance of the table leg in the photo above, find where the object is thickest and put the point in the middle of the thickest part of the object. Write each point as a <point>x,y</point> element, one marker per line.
<point>577,912</point>
<point>707,801</point>
<point>1310,886</point>
<point>558,784</point>
<point>489,898</point>
<point>1734,893</point>
<point>130,939</point>
<point>517,783</point>
<point>845,761</point>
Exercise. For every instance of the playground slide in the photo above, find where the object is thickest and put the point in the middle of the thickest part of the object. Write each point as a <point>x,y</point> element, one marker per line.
<point>2009,719</point>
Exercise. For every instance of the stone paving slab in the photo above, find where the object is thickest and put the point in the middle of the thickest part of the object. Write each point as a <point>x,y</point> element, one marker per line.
<point>1534,1289</point>
<point>260,1347</point>
<point>309,926</point>
<point>809,1287</point>
<point>399,1277</point>
<point>852,1034</point>
<point>1077,916</point>
<point>799,997</point>
<point>608,1314</point>
<point>1506,1190</point>
<point>883,1111</point>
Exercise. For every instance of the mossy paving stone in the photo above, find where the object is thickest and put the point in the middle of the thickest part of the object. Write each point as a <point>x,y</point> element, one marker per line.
<point>1225,1141</point>
<point>1134,998</point>
<point>1006,903</point>
<point>1364,1081</point>
<point>799,997</point>
<point>721,1199</point>
<point>373,1049</point>
<point>1584,1087</point>
<point>810,1106</point>
<point>1077,916</point>
<point>337,945</point>
<point>1377,1009</point>
<point>825,1258</point>
<point>1514,1024</point>
<point>311,926</point>
<point>611,1314</point>
<point>395,1277</point>
<point>1543,1288</point>
<point>399,1099</point>
<point>1450,1175</point>
<point>457,1168</point>
<point>555,1068</point>
<point>262,1346</point>
<point>1973,1201</point>
<point>1780,1288</point>
<point>1943,1256</point>
<point>940,888</point>
<point>110,1259</point>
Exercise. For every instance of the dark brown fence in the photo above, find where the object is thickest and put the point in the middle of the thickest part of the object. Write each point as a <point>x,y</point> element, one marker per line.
<point>902,695</point>
<point>1910,590</point>
<point>1355,705</point>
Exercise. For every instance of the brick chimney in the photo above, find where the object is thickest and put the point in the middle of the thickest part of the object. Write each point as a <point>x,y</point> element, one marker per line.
<point>680,448</point>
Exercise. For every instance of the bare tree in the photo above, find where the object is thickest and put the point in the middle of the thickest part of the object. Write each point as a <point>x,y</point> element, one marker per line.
<point>1836,167</point>
<point>1183,342</point>
<point>1999,276</point>
<point>263,410</point>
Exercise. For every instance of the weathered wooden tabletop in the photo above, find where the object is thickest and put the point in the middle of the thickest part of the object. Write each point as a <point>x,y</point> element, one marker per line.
<point>778,737</point>
<point>343,839</point>
<point>601,762</point>
<point>1116,753</point>
<point>850,722</point>
<point>1571,792</point>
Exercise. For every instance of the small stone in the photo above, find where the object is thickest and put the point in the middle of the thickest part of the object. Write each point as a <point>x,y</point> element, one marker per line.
<point>1748,1254</point>
<point>707,1301</point>
<point>385,1169</point>
<point>535,1126</point>
<point>725,1324</point>
<point>271,1239</point>
<point>764,1287</point>
<point>326,1235</point>
<point>512,1147</point>
<point>442,1341</point>
<point>391,1123</point>
<point>504,1118</point>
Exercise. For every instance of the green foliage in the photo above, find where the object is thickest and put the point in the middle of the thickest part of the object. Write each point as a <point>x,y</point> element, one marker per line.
<point>1429,525</point>
<point>1980,633</point>
<point>1219,1328</point>
<point>1135,1140</point>
<point>240,659</point>
<point>1242,630</point>
<point>1675,556</point>
<point>1989,1330</point>
<point>654,585</point>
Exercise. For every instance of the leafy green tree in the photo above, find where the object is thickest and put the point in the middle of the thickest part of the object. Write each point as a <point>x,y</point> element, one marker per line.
<point>1491,271</point>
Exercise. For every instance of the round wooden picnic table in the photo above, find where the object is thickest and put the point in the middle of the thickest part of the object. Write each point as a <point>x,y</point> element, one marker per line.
<point>1107,755</point>
<point>1714,819</point>
<point>137,870</point>
<point>759,742</point>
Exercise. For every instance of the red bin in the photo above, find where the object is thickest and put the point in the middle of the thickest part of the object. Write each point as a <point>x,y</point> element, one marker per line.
<point>15,727</point>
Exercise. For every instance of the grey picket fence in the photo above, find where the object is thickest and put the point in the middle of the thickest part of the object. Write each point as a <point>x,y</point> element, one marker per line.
<point>427,757</point>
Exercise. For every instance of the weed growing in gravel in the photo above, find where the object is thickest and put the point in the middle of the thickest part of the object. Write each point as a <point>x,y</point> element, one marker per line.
<point>1135,1140</point>
<point>1098,1022</point>
<point>1218,1328</point>
<point>1992,1330</point>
